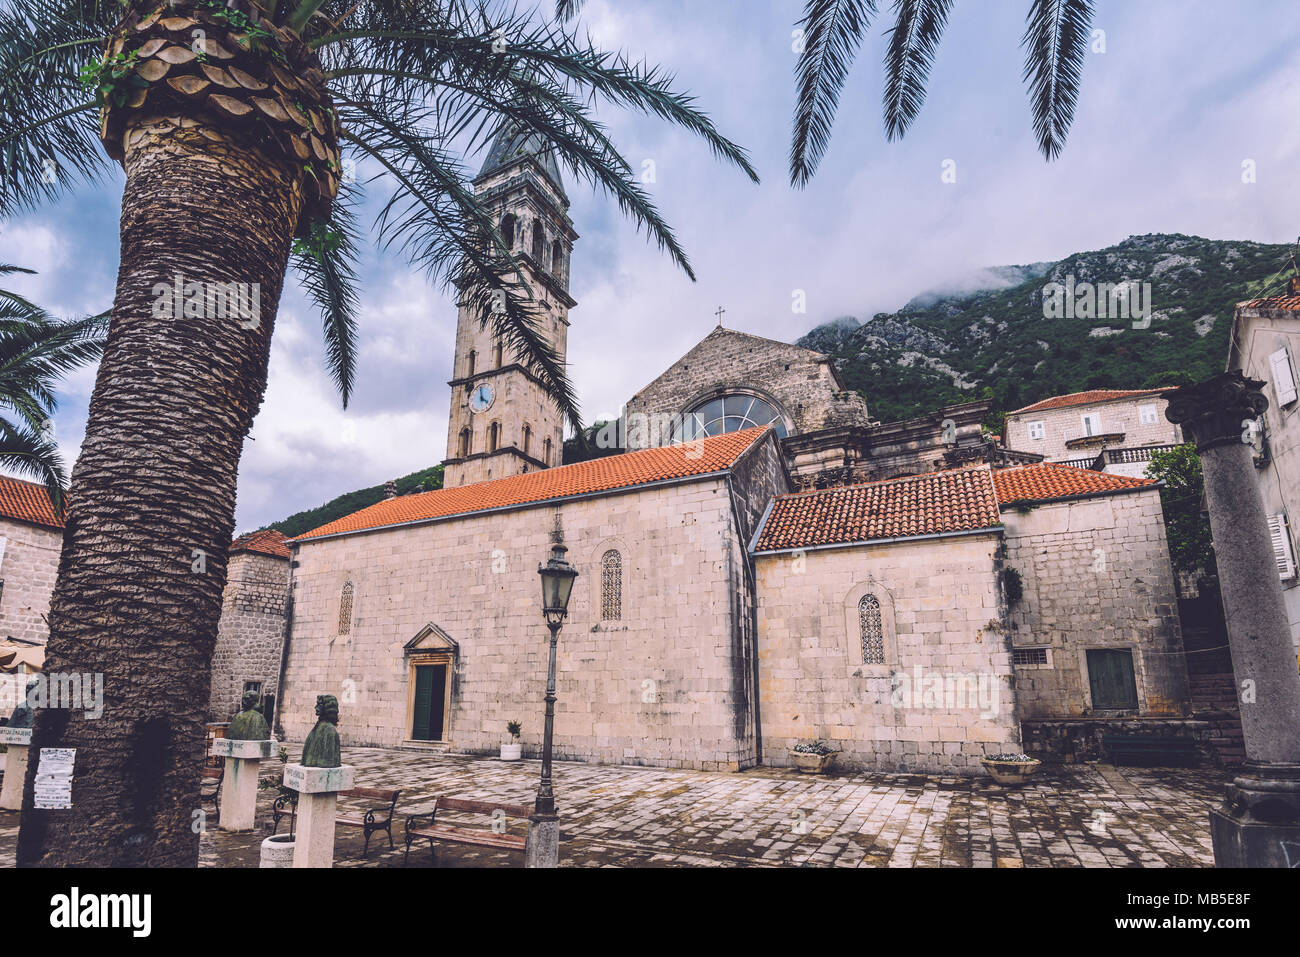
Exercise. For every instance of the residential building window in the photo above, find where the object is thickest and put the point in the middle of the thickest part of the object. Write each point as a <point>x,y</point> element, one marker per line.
<point>871,630</point>
<point>1092,423</point>
<point>345,609</point>
<point>1147,415</point>
<point>1037,431</point>
<point>1283,377</point>
<point>611,586</point>
<point>1283,553</point>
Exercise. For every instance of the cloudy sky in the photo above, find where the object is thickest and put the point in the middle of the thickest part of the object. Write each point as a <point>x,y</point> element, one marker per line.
<point>1182,95</point>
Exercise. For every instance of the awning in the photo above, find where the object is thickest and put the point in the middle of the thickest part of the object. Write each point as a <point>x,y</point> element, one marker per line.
<point>21,658</point>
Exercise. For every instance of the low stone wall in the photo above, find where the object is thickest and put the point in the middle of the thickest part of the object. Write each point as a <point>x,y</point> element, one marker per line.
<point>1075,740</point>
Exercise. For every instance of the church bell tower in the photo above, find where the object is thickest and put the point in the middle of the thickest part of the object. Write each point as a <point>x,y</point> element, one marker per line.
<point>502,421</point>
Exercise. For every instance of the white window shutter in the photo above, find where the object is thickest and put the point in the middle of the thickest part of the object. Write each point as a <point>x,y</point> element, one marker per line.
<point>1283,379</point>
<point>1282,553</point>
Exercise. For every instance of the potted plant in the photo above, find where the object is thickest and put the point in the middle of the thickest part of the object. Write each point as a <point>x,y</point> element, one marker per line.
<point>512,750</point>
<point>1011,769</point>
<point>813,757</point>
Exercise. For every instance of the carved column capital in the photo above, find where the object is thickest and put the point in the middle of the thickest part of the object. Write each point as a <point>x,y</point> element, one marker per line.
<point>1215,412</point>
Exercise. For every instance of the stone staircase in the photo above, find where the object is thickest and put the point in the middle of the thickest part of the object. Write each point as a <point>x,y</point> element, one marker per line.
<point>1214,699</point>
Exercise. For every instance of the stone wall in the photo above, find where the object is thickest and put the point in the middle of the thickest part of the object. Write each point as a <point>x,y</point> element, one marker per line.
<point>943,698</point>
<point>669,683</point>
<point>251,633</point>
<point>28,569</point>
<point>1117,416</point>
<point>1095,574</point>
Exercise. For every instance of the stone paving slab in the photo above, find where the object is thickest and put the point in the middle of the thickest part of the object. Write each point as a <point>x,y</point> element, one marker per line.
<point>619,816</point>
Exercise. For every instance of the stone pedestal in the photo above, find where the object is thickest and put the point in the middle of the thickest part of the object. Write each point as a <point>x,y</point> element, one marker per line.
<point>318,790</point>
<point>1259,823</point>
<point>17,740</point>
<point>542,848</point>
<point>243,760</point>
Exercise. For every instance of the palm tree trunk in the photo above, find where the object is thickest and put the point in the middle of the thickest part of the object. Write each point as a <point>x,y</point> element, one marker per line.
<point>150,517</point>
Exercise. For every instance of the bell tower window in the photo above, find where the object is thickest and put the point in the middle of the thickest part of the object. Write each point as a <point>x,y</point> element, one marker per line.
<point>494,436</point>
<point>473,358</point>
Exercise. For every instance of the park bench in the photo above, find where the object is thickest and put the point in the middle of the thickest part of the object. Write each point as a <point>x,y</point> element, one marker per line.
<point>423,825</point>
<point>373,819</point>
<point>1151,750</point>
<point>210,788</point>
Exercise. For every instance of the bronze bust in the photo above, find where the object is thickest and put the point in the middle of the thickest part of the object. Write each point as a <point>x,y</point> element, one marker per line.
<point>248,725</point>
<point>23,716</point>
<point>321,749</point>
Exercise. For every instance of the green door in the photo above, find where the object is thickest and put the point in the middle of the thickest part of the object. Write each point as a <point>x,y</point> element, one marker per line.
<point>1110,675</point>
<point>430,692</point>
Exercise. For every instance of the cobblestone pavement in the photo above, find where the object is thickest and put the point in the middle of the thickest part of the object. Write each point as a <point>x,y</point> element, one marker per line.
<point>1082,815</point>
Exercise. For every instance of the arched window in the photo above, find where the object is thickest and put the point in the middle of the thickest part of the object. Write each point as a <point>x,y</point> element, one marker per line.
<point>611,586</point>
<point>528,439</point>
<point>546,452</point>
<point>499,354</point>
<point>494,436</point>
<point>462,448</point>
<point>539,244</point>
<point>345,609</point>
<point>473,359</point>
<point>508,230</point>
<point>557,261</point>
<point>871,630</point>
<point>729,413</point>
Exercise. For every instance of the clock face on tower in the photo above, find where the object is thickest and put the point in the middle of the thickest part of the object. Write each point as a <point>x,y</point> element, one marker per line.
<point>482,397</point>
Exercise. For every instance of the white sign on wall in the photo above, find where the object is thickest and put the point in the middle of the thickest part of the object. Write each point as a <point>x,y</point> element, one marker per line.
<point>53,785</point>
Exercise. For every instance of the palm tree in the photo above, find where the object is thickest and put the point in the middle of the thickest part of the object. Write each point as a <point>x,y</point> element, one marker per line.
<point>1055,42</point>
<point>235,121</point>
<point>36,349</point>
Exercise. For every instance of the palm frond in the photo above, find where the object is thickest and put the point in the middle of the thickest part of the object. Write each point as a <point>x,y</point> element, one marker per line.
<point>34,453</point>
<point>566,10</point>
<point>918,26</point>
<point>833,31</point>
<point>1056,44</point>
<point>326,266</point>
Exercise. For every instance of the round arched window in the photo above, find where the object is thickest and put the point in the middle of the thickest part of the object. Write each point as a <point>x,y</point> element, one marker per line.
<point>729,413</point>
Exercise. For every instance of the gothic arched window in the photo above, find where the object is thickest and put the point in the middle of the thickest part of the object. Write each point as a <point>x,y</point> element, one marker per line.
<point>494,436</point>
<point>345,609</point>
<point>508,230</point>
<point>473,358</point>
<point>557,261</point>
<point>611,586</point>
<point>871,630</point>
<point>462,448</point>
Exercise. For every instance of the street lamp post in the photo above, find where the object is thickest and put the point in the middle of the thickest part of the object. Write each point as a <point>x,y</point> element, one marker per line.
<point>543,847</point>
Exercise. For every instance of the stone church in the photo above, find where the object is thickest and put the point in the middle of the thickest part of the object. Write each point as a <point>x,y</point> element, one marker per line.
<point>763,565</point>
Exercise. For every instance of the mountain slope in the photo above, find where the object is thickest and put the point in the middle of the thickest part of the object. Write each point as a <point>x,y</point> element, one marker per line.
<point>945,347</point>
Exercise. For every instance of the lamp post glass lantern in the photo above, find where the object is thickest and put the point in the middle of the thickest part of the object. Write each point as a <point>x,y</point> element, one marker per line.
<point>557,585</point>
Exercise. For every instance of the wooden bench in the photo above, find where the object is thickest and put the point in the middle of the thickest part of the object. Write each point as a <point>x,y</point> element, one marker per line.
<point>375,818</point>
<point>423,825</point>
<point>1151,750</point>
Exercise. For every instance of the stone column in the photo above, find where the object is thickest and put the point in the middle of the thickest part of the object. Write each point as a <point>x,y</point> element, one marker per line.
<point>318,790</point>
<point>243,760</point>
<point>1259,823</point>
<point>18,740</point>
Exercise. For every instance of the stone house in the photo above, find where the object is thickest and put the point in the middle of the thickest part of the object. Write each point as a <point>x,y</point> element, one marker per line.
<point>1112,430</point>
<point>1263,346</point>
<point>31,538</point>
<point>254,612</point>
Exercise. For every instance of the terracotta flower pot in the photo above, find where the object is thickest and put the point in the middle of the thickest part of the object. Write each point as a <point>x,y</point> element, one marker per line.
<point>1012,773</point>
<point>812,763</point>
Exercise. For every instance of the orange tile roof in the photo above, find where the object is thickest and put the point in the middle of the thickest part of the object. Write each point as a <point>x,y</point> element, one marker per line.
<point>1290,303</point>
<point>1083,398</point>
<point>27,502</point>
<point>607,474</point>
<point>955,500</point>
<point>268,541</point>
<point>1045,481</point>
